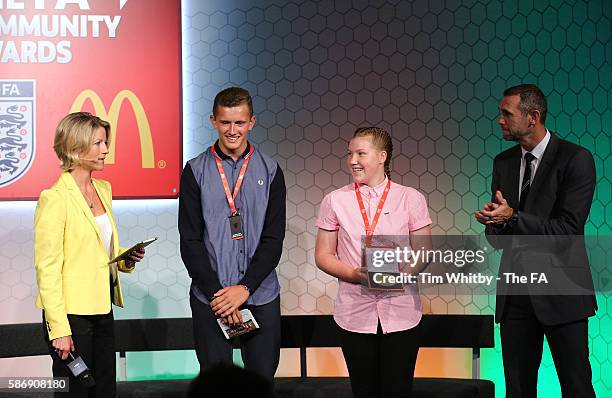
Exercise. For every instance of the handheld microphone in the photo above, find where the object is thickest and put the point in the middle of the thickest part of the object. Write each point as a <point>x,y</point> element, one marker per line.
<point>79,369</point>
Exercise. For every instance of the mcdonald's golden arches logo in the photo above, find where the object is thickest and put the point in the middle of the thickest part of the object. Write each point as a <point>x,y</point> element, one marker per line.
<point>112,116</point>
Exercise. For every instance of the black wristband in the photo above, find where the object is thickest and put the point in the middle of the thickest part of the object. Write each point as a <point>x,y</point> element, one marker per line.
<point>246,288</point>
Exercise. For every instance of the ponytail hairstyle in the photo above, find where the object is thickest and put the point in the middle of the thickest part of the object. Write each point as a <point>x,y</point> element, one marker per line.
<point>381,141</point>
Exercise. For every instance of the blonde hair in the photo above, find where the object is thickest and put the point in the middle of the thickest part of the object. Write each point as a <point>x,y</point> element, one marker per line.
<point>381,140</point>
<point>74,136</point>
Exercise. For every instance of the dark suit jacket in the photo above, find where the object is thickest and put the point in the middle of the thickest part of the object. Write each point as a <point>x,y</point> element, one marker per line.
<point>558,206</point>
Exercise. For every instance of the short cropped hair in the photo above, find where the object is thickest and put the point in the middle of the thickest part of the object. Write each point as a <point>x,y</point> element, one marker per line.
<point>74,136</point>
<point>532,99</point>
<point>231,97</point>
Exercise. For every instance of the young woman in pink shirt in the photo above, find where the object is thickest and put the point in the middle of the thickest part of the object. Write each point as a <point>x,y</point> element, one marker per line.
<point>380,328</point>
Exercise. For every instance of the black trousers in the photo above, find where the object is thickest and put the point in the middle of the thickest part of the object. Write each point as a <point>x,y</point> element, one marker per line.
<point>522,338</point>
<point>94,341</point>
<point>381,365</point>
<point>260,348</point>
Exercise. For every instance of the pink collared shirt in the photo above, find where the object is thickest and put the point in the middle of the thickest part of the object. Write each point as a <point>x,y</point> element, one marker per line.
<point>358,309</point>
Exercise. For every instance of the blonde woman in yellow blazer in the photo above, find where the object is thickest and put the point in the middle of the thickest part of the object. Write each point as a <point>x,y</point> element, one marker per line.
<point>75,236</point>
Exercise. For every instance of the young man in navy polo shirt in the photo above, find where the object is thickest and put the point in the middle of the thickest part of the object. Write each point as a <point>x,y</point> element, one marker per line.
<point>232,226</point>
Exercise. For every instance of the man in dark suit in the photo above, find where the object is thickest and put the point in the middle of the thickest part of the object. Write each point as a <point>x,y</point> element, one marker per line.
<point>542,192</point>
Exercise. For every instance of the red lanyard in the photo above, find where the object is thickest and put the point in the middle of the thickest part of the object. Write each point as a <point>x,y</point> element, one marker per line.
<point>370,229</point>
<point>232,197</point>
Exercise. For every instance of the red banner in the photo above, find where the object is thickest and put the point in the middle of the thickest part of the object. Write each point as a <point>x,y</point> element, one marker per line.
<point>118,59</point>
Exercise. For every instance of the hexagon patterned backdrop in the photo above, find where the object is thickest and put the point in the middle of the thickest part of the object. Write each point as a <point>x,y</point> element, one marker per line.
<point>431,72</point>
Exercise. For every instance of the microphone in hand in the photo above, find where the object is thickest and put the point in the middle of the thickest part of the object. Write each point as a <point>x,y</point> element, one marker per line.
<point>79,369</point>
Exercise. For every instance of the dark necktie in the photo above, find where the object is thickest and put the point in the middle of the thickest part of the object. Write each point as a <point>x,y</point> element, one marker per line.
<point>529,158</point>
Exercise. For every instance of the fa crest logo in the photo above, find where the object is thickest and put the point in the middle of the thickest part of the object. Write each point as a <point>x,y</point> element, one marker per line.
<point>17,120</point>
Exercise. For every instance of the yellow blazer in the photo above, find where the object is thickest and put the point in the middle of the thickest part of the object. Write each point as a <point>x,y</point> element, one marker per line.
<point>70,257</point>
